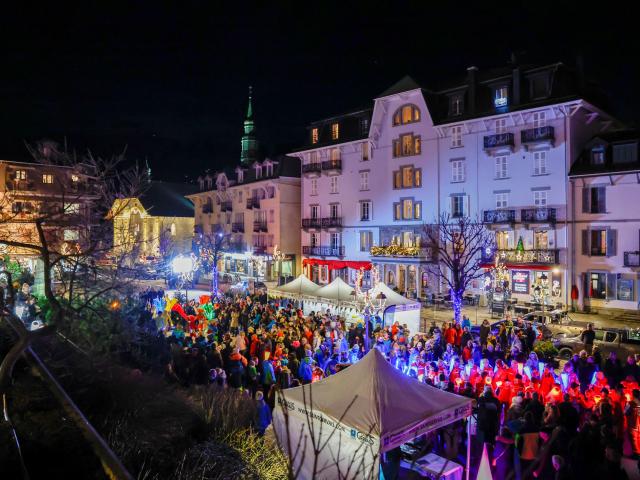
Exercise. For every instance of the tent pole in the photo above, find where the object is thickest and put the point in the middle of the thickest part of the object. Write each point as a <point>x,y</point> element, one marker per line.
<point>468,447</point>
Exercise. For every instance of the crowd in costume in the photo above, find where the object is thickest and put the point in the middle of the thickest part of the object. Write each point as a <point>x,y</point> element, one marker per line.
<point>539,422</point>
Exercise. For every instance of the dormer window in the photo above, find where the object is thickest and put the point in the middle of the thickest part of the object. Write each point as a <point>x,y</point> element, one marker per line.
<point>258,171</point>
<point>501,97</point>
<point>314,135</point>
<point>268,169</point>
<point>406,114</point>
<point>625,153</point>
<point>240,175</point>
<point>222,183</point>
<point>335,131</point>
<point>21,175</point>
<point>456,104</point>
<point>597,155</point>
<point>364,126</point>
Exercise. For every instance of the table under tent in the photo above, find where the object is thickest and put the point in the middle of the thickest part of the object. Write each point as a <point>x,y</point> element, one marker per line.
<point>338,427</point>
<point>338,297</point>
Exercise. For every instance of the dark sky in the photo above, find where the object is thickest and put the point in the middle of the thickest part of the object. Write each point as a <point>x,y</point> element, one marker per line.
<point>170,82</point>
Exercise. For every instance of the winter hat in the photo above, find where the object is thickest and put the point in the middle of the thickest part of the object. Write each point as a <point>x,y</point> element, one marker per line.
<point>259,396</point>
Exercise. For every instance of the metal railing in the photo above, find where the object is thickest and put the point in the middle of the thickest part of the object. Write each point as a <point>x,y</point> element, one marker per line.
<point>499,216</point>
<point>311,223</point>
<point>499,140</point>
<point>538,215</point>
<point>323,251</point>
<point>332,222</point>
<point>332,165</point>
<point>537,134</point>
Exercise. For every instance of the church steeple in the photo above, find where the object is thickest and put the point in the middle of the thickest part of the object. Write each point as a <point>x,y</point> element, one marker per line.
<point>249,152</point>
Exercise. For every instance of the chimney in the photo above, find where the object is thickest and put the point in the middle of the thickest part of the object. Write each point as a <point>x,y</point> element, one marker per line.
<point>515,97</point>
<point>472,82</point>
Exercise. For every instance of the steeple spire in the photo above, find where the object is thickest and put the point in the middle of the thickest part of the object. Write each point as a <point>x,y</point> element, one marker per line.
<point>249,151</point>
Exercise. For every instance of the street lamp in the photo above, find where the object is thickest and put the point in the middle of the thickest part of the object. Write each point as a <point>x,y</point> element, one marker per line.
<point>278,256</point>
<point>370,307</point>
<point>184,266</point>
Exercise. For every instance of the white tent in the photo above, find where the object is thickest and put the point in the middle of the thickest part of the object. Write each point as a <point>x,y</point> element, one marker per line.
<point>300,286</point>
<point>342,423</point>
<point>337,290</point>
<point>398,308</point>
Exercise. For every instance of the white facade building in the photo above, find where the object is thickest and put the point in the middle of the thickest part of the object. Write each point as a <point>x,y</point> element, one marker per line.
<point>605,184</point>
<point>497,146</point>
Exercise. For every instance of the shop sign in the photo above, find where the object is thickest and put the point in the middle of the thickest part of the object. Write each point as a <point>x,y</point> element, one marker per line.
<point>520,281</point>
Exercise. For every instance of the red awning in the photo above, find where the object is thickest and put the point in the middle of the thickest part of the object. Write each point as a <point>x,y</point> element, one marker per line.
<point>337,264</point>
<point>520,266</point>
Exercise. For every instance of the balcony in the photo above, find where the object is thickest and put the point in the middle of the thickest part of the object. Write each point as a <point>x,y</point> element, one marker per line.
<point>332,222</point>
<point>237,227</point>
<point>253,202</point>
<point>538,215</point>
<point>524,257</point>
<point>401,251</point>
<point>332,167</point>
<point>542,135</point>
<point>312,170</point>
<point>311,223</point>
<point>260,226</point>
<point>324,251</point>
<point>632,259</point>
<point>499,141</point>
<point>226,206</point>
<point>499,216</point>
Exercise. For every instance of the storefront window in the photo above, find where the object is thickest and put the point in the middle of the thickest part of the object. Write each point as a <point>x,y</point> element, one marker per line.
<point>625,289</point>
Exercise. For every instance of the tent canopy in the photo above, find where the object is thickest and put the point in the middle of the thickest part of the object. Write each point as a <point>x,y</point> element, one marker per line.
<point>336,290</point>
<point>393,298</point>
<point>301,285</point>
<point>376,399</point>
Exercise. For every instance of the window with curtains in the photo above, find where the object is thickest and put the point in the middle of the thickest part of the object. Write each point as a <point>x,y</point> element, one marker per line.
<point>407,145</point>
<point>366,240</point>
<point>407,177</point>
<point>407,209</point>
<point>406,114</point>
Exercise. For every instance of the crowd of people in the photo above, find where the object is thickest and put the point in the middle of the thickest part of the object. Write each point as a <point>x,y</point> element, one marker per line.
<point>538,421</point>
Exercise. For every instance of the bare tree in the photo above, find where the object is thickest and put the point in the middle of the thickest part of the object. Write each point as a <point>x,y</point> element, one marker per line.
<point>457,245</point>
<point>65,224</point>
<point>209,247</point>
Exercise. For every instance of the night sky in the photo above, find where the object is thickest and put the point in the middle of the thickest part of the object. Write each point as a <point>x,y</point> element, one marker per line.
<point>171,82</point>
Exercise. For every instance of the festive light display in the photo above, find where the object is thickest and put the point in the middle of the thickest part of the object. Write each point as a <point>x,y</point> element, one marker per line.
<point>395,250</point>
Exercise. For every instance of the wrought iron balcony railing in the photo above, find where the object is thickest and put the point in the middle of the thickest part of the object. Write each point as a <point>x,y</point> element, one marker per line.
<point>632,259</point>
<point>539,134</point>
<point>237,227</point>
<point>499,216</point>
<point>499,140</point>
<point>323,251</point>
<point>312,168</point>
<point>311,223</point>
<point>332,222</point>
<point>538,215</point>
<point>332,166</point>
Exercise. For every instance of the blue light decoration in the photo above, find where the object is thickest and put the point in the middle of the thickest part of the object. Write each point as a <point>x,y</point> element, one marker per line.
<point>501,99</point>
<point>456,300</point>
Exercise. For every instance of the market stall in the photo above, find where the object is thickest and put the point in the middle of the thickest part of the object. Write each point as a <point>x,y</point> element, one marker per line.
<point>343,423</point>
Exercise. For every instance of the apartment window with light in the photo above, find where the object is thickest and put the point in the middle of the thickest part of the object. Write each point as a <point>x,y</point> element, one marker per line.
<point>333,185</point>
<point>540,198</point>
<point>365,152</point>
<point>458,171</point>
<point>406,114</point>
<point>407,209</point>
<point>71,235</point>
<point>314,186</point>
<point>598,242</point>
<point>47,178</point>
<point>335,131</point>
<point>456,136</point>
<point>502,200</point>
<point>597,285</point>
<point>540,163</point>
<point>314,135</point>
<point>366,240</point>
<point>173,230</point>
<point>334,154</point>
<point>75,178</point>
<point>539,119</point>
<point>365,211</point>
<point>407,145</point>
<point>364,180</point>
<point>501,167</point>
<point>407,177</point>
<point>501,125</point>
<point>21,175</point>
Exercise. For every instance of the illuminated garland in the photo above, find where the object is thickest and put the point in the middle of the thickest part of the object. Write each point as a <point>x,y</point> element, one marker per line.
<point>395,250</point>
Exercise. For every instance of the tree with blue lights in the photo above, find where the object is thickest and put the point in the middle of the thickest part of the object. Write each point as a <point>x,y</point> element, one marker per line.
<point>457,245</point>
<point>208,248</point>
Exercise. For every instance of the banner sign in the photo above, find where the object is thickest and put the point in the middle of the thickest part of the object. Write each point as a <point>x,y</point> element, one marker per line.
<point>520,281</point>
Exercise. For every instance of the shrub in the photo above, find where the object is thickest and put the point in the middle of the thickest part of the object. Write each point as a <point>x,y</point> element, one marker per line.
<point>545,350</point>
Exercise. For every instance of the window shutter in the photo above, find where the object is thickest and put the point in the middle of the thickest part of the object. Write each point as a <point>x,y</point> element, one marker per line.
<point>611,242</point>
<point>585,200</point>
<point>585,242</point>
<point>611,286</point>
<point>602,200</point>
<point>465,209</point>
<point>585,286</point>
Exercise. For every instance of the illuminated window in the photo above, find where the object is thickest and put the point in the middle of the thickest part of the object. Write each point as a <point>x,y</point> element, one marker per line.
<point>407,208</point>
<point>407,177</point>
<point>335,154</point>
<point>314,135</point>
<point>47,178</point>
<point>21,175</point>
<point>71,235</point>
<point>335,131</point>
<point>72,208</point>
<point>407,145</point>
<point>75,178</point>
<point>366,240</point>
<point>406,114</point>
<point>501,97</point>
<point>365,151</point>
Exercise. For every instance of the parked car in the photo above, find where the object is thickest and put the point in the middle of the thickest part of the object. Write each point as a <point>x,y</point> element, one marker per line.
<point>544,333</point>
<point>625,341</point>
